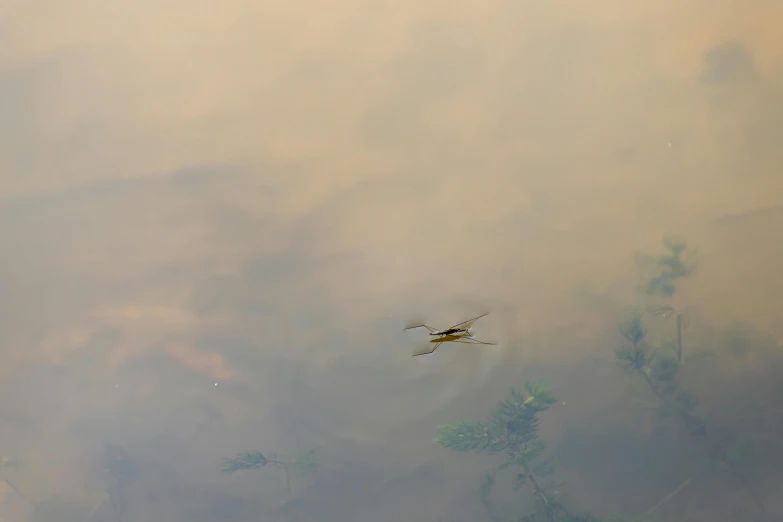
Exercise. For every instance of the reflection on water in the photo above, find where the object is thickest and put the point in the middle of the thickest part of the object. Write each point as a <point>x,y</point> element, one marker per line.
<point>217,219</point>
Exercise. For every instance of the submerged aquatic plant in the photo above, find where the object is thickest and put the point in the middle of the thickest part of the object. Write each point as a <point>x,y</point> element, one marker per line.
<point>675,264</point>
<point>660,376</point>
<point>659,372</point>
<point>512,431</point>
<point>299,465</point>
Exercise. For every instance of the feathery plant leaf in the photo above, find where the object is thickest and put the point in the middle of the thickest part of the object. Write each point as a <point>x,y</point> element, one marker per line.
<point>633,328</point>
<point>244,461</point>
<point>464,436</point>
<point>635,358</point>
<point>635,354</point>
<point>665,369</point>
<point>672,266</point>
<point>511,429</point>
<point>542,398</point>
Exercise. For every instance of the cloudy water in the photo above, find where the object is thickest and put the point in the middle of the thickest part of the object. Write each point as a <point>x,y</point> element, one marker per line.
<point>218,219</point>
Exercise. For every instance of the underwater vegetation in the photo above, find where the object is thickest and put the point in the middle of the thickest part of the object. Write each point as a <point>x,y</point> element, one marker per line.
<point>673,365</point>
<point>512,431</point>
<point>677,263</point>
<point>299,465</point>
<point>296,466</point>
<point>660,371</point>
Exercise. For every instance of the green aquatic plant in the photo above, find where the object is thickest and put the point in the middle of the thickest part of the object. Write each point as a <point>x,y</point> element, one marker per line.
<point>299,465</point>
<point>512,431</point>
<point>675,264</point>
<point>668,269</point>
<point>660,374</point>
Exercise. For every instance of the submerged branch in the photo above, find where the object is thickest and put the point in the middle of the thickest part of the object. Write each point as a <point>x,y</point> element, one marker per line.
<point>667,498</point>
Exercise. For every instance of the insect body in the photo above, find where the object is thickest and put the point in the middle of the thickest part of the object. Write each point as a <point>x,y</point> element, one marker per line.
<point>459,333</point>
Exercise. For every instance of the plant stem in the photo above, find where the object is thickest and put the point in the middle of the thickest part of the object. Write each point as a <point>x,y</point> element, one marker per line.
<point>18,492</point>
<point>741,478</point>
<point>284,466</point>
<point>718,449</point>
<point>537,487</point>
<point>658,394</point>
<point>288,482</point>
<point>679,338</point>
<point>667,498</point>
<point>539,491</point>
<point>96,508</point>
